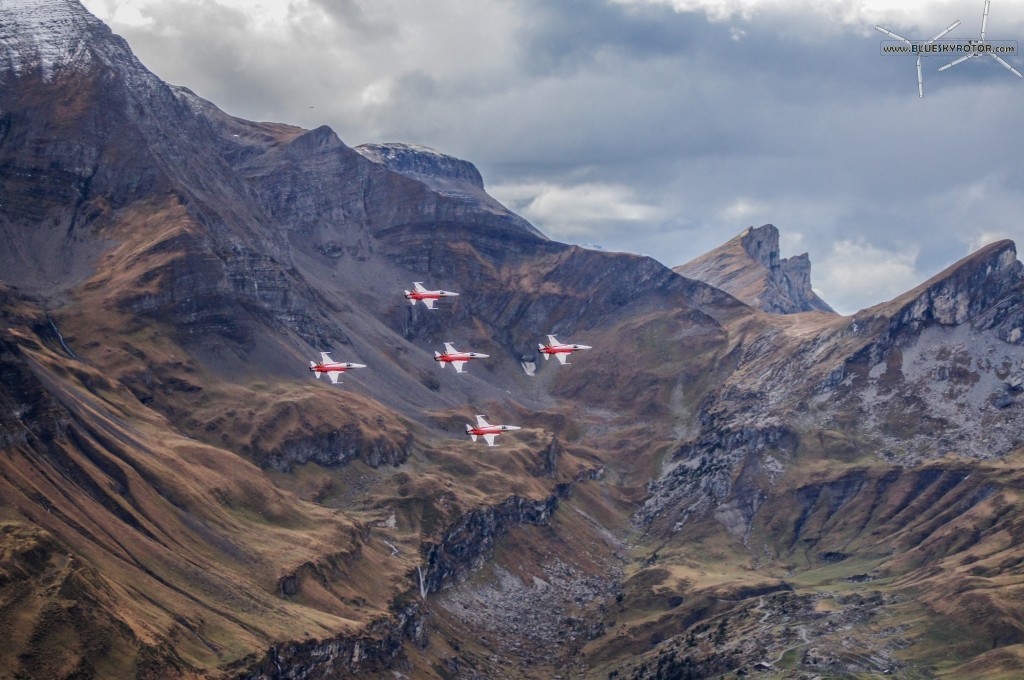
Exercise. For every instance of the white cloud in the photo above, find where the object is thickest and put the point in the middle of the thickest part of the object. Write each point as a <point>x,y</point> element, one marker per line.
<point>848,11</point>
<point>982,239</point>
<point>742,209</point>
<point>856,270</point>
<point>574,211</point>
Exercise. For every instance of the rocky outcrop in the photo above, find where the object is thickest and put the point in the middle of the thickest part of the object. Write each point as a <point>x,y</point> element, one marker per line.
<point>547,465</point>
<point>469,543</point>
<point>985,289</point>
<point>419,161</point>
<point>749,267</point>
<point>333,448</point>
<point>27,412</point>
<point>463,548</point>
<point>380,649</point>
<point>457,181</point>
<point>726,473</point>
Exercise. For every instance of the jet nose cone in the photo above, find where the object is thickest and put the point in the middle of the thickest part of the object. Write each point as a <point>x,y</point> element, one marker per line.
<point>357,365</point>
<point>511,427</point>
<point>481,356</point>
<point>584,347</point>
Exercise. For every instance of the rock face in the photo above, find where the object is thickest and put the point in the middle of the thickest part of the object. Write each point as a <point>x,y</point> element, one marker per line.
<point>415,160</point>
<point>982,290</point>
<point>750,268</point>
<point>444,174</point>
<point>465,546</point>
<point>378,652</point>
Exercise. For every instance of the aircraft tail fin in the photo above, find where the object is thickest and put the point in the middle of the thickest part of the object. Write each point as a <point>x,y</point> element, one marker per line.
<point>408,296</point>
<point>546,355</point>
<point>469,431</point>
<point>312,367</point>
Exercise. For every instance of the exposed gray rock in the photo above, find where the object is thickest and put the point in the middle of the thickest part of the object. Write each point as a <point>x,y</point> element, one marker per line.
<point>416,160</point>
<point>749,267</point>
<point>381,649</point>
<point>469,543</point>
<point>334,448</point>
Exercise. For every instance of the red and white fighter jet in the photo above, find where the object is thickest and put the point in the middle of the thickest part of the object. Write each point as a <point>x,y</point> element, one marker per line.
<point>427,296</point>
<point>487,431</point>
<point>332,368</point>
<point>559,349</point>
<point>455,357</point>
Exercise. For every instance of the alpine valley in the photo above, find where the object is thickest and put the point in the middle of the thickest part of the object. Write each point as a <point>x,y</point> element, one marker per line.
<point>735,481</point>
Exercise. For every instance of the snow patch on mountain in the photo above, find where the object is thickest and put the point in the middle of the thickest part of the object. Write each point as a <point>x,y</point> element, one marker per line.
<point>46,35</point>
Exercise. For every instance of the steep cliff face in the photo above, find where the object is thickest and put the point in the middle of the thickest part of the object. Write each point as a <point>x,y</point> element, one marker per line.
<point>468,544</point>
<point>750,268</point>
<point>982,290</point>
<point>380,651</point>
<point>423,162</point>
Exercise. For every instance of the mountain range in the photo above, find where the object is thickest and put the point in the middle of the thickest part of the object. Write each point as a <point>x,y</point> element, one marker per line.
<point>735,480</point>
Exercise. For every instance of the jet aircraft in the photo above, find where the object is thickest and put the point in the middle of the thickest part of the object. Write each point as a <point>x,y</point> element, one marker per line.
<point>487,431</point>
<point>427,296</point>
<point>332,368</point>
<point>455,357</point>
<point>559,349</point>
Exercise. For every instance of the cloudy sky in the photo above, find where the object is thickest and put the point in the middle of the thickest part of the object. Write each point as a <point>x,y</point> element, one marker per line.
<point>661,127</point>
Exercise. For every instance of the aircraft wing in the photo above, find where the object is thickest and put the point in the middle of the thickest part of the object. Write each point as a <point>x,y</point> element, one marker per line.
<point>419,287</point>
<point>334,375</point>
<point>429,302</point>
<point>552,340</point>
<point>449,349</point>
<point>490,439</point>
<point>481,421</point>
<point>562,357</point>
<point>325,358</point>
<point>458,366</point>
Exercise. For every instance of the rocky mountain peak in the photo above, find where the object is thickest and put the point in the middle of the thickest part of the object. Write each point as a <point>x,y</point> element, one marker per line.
<point>452,178</point>
<point>417,161</point>
<point>750,268</point>
<point>47,35</point>
<point>983,289</point>
<point>762,244</point>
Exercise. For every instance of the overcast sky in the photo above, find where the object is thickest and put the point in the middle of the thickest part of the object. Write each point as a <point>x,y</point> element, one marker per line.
<point>661,127</point>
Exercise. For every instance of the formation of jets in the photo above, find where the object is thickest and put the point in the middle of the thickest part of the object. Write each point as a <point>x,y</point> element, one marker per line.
<point>452,356</point>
